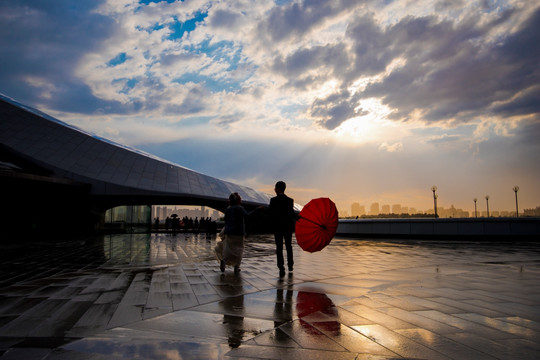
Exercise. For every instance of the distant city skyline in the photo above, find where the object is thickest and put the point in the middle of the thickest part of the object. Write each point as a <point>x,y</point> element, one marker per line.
<point>357,209</point>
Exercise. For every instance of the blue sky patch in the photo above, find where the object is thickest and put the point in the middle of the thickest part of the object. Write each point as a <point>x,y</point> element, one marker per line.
<point>179,28</point>
<point>128,84</point>
<point>118,59</point>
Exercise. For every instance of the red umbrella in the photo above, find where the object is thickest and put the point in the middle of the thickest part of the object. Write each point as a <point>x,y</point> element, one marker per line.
<point>317,224</point>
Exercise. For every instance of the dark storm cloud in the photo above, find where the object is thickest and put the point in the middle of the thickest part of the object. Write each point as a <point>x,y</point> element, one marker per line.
<point>225,19</point>
<point>225,121</point>
<point>527,102</point>
<point>76,97</point>
<point>441,74</point>
<point>298,18</point>
<point>46,42</point>
<point>451,70</point>
<point>528,135</point>
<point>194,102</point>
<point>174,59</point>
<point>444,5</point>
<point>335,109</point>
<point>452,73</point>
<point>372,50</point>
<point>309,66</point>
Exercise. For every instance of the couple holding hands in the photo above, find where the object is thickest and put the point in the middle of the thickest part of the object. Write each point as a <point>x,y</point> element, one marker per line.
<point>282,218</point>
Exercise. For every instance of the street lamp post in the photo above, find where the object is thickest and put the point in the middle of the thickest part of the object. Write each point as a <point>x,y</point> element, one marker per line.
<point>434,188</point>
<point>487,203</point>
<point>475,213</point>
<point>516,189</point>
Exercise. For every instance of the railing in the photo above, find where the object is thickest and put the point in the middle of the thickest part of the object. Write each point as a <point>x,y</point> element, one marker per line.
<point>435,228</point>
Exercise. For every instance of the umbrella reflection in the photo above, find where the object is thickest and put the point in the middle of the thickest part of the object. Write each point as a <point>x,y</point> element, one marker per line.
<point>321,312</point>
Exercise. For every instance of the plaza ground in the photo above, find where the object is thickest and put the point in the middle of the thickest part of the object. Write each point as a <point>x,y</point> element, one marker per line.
<point>162,296</point>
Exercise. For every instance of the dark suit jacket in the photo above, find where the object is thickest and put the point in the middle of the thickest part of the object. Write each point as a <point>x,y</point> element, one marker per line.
<point>282,214</point>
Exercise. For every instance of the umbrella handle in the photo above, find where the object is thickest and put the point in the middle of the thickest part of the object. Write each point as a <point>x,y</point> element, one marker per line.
<point>313,222</point>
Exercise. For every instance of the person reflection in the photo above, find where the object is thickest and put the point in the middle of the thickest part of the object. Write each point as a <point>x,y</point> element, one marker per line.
<point>235,331</point>
<point>282,314</point>
<point>234,324</point>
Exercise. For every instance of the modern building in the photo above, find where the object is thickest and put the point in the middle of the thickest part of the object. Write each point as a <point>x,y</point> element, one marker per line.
<point>56,177</point>
<point>357,209</point>
<point>374,209</point>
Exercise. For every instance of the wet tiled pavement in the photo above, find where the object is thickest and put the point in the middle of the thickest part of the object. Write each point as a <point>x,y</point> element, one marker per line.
<point>159,296</point>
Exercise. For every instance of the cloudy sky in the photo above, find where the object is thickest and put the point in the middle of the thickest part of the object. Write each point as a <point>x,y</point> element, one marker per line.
<point>357,100</point>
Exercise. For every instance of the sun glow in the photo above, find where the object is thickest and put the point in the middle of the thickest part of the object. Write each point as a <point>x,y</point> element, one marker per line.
<point>372,127</point>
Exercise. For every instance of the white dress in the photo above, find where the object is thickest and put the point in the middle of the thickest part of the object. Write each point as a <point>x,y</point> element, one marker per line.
<point>230,249</point>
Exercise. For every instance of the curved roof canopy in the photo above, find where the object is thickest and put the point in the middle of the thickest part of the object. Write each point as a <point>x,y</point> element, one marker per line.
<point>113,171</point>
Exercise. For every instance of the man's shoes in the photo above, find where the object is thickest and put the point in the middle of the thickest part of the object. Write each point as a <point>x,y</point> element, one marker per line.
<point>281,273</point>
<point>222,266</point>
<point>236,269</point>
<point>290,268</point>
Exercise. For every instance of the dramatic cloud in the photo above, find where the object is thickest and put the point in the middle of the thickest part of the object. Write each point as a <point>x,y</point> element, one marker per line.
<point>460,76</point>
<point>449,71</point>
<point>335,109</point>
<point>298,18</point>
<point>412,85</point>
<point>41,46</point>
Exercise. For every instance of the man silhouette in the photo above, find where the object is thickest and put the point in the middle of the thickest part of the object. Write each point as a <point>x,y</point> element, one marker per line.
<point>282,216</point>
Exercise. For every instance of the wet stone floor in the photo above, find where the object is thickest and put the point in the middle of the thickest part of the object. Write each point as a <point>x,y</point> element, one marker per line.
<point>162,296</point>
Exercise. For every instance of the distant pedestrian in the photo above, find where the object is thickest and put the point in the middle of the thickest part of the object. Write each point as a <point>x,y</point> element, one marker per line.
<point>282,217</point>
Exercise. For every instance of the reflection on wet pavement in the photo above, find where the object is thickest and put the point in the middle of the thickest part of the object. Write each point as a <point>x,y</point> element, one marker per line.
<point>159,296</point>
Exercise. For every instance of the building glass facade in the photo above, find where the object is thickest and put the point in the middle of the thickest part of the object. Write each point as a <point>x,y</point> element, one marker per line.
<point>128,218</point>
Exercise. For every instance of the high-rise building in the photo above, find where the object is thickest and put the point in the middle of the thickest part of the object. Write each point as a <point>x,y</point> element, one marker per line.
<point>374,209</point>
<point>362,210</point>
<point>357,209</point>
<point>532,211</point>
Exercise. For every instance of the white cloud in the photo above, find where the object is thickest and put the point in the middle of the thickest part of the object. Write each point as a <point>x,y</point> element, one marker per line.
<point>395,147</point>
